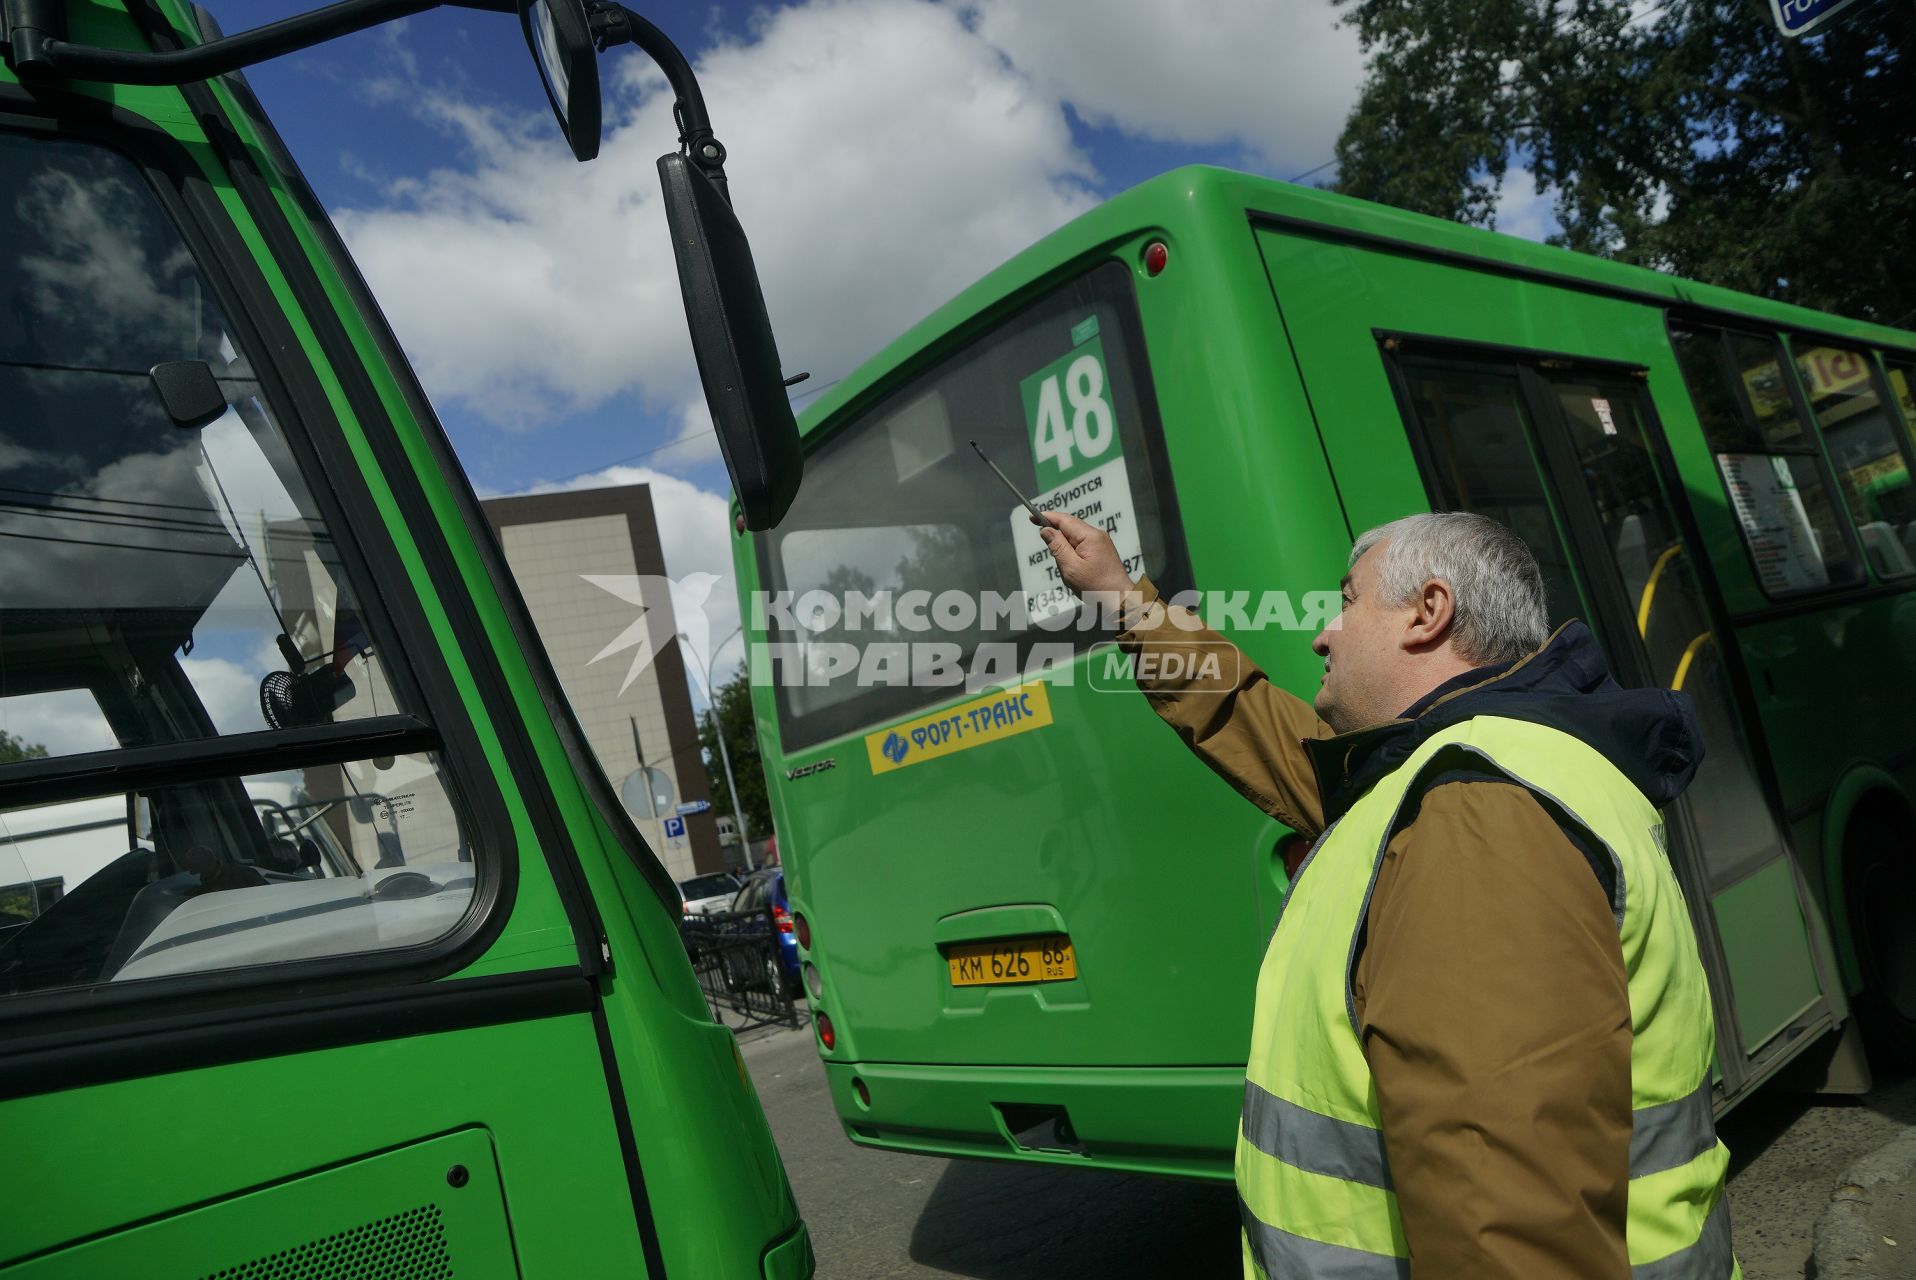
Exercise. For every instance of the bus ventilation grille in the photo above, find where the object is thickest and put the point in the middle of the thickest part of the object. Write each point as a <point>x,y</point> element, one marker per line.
<point>405,1246</point>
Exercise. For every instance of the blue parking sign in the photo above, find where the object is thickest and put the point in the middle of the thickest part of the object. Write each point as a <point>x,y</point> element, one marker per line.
<point>675,828</point>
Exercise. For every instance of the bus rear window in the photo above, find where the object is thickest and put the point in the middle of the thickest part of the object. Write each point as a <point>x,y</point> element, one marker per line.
<point>906,572</point>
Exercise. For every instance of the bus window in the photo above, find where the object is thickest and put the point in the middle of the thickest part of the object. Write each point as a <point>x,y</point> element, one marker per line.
<point>139,555</point>
<point>1864,451</point>
<point>1476,433</point>
<point>166,588</point>
<point>70,717</point>
<point>1902,388</point>
<point>1769,466</point>
<point>1735,832</point>
<point>896,508</point>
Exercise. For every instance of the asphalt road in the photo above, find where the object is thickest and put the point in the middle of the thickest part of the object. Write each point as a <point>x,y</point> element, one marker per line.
<point>877,1215</point>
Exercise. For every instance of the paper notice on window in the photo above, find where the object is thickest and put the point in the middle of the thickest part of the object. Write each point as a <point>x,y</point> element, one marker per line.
<point>1101,497</point>
<point>1770,511</point>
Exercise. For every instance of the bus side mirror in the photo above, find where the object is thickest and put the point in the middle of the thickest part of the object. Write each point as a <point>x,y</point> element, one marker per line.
<point>561,40</point>
<point>732,339</point>
<point>731,334</point>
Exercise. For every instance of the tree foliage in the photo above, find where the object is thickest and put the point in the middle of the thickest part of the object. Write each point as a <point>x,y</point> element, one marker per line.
<point>741,739</point>
<point>1686,135</point>
<point>12,748</point>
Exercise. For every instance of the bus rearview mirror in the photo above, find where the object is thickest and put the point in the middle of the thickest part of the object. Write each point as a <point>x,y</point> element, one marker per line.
<point>732,340</point>
<point>560,37</point>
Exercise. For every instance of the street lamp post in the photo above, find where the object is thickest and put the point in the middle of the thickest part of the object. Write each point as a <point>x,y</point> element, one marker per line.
<point>725,757</point>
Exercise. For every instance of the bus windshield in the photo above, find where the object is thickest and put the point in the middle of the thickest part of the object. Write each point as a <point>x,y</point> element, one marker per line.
<point>151,567</point>
<point>168,586</point>
<point>906,571</point>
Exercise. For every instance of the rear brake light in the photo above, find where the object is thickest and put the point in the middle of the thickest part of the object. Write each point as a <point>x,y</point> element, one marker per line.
<point>826,1036</point>
<point>804,929</point>
<point>782,919</point>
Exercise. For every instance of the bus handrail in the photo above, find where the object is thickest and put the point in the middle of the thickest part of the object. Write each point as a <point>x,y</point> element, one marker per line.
<point>1650,587</point>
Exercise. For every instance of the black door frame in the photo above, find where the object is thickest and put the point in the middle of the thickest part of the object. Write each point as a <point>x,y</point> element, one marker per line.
<point>1548,434</point>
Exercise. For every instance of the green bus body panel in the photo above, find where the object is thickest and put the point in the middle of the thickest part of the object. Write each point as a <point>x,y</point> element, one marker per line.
<point>388,1214</point>
<point>88,1160</point>
<point>1143,1119</point>
<point>718,1194</point>
<point>1771,969</point>
<point>1283,438</point>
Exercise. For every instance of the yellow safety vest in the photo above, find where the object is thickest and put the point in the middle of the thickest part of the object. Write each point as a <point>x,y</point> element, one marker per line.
<point>1314,1187</point>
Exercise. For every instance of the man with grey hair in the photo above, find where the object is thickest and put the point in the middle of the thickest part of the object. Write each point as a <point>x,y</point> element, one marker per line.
<point>1482,1041</point>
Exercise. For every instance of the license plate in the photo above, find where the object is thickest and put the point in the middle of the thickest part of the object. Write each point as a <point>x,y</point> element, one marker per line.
<point>983,964</point>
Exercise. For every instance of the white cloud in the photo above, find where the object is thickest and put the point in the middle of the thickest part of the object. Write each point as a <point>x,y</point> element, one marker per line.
<point>1280,79</point>
<point>882,157</point>
<point>64,722</point>
<point>230,691</point>
<point>1524,211</point>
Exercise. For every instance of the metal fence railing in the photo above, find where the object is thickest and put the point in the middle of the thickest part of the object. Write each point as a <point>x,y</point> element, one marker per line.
<point>742,966</point>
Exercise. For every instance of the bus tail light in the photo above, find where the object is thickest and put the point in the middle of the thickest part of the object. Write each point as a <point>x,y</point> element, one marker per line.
<point>782,919</point>
<point>826,1035</point>
<point>804,929</point>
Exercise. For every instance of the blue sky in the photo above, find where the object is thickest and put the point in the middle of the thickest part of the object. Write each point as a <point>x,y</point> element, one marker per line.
<point>884,154</point>
<point>371,117</point>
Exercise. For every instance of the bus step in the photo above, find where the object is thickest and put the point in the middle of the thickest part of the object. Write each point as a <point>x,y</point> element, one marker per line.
<point>1034,1127</point>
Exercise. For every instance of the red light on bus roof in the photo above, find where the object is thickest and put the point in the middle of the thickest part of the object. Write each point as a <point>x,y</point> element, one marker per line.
<point>804,929</point>
<point>826,1036</point>
<point>1156,256</point>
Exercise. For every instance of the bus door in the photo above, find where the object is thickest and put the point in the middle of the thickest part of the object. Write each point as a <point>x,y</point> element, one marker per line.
<point>1568,455</point>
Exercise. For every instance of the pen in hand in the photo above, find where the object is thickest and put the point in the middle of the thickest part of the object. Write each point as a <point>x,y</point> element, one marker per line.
<point>1036,517</point>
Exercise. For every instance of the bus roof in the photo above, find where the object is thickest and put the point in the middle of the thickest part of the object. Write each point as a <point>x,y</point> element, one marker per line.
<point>1187,198</point>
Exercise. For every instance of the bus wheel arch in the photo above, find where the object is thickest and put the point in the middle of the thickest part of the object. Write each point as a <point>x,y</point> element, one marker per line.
<point>1874,878</point>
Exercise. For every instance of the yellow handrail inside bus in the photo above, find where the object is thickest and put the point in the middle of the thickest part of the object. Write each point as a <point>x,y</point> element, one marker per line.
<point>1683,663</point>
<point>1650,587</point>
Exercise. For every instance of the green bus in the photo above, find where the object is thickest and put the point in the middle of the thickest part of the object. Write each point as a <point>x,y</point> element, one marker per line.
<point>1032,931</point>
<point>326,948</point>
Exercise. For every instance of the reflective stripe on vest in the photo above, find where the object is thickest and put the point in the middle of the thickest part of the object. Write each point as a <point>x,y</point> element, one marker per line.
<point>1314,1185</point>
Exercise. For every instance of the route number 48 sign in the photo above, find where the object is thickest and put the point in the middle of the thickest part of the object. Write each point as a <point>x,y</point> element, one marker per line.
<point>1068,413</point>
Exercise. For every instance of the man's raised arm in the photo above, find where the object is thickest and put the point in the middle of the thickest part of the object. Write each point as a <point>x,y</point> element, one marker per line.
<point>1247,729</point>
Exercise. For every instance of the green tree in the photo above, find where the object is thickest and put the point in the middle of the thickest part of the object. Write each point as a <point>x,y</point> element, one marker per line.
<point>1689,136</point>
<point>12,748</point>
<point>741,739</point>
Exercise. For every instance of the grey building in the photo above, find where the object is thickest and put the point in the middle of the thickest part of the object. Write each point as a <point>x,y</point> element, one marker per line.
<point>640,724</point>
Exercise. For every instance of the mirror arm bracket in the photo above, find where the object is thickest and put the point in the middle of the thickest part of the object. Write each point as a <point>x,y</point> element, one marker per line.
<point>614,24</point>
<point>39,50</point>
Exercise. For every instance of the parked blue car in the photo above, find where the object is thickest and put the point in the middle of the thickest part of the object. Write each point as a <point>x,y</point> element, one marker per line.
<point>764,892</point>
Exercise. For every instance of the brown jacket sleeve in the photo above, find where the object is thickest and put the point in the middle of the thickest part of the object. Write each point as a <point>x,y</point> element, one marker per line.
<point>1495,1015</point>
<point>1247,729</point>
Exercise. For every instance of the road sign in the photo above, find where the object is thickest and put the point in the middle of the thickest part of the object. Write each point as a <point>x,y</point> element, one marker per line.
<point>675,828</point>
<point>1800,17</point>
<point>694,806</point>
